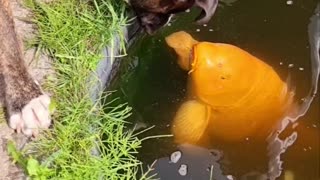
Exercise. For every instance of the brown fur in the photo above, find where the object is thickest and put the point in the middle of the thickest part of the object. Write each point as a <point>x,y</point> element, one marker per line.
<point>153,14</point>
<point>17,88</point>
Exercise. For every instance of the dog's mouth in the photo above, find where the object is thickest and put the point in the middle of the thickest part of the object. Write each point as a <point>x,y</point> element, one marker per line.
<point>153,21</point>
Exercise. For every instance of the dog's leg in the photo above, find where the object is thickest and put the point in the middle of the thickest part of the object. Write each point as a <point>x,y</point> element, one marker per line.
<point>27,107</point>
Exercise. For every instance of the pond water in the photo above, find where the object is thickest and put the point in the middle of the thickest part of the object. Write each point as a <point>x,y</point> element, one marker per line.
<point>276,31</point>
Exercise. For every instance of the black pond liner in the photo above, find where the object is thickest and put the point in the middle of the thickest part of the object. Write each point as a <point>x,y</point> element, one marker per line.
<point>158,102</point>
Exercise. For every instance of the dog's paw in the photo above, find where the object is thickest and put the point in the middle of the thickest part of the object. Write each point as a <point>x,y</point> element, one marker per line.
<point>33,117</point>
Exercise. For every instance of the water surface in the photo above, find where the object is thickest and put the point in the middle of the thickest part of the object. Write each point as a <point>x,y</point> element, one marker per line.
<point>275,31</point>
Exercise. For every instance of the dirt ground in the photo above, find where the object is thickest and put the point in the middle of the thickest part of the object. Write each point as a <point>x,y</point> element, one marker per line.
<point>39,66</point>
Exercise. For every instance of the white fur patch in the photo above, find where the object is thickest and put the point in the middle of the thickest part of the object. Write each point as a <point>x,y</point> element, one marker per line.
<point>33,117</point>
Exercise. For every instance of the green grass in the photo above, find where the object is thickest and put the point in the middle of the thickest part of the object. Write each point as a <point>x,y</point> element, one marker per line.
<point>74,32</point>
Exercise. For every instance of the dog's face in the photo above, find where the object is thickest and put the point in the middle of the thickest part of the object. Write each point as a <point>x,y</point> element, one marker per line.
<point>161,6</point>
<point>153,21</point>
<point>154,14</point>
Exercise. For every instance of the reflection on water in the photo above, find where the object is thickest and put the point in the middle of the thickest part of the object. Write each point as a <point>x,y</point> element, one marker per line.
<point>278,146</point>
<point>282,34</point>
<point>193,162</point>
